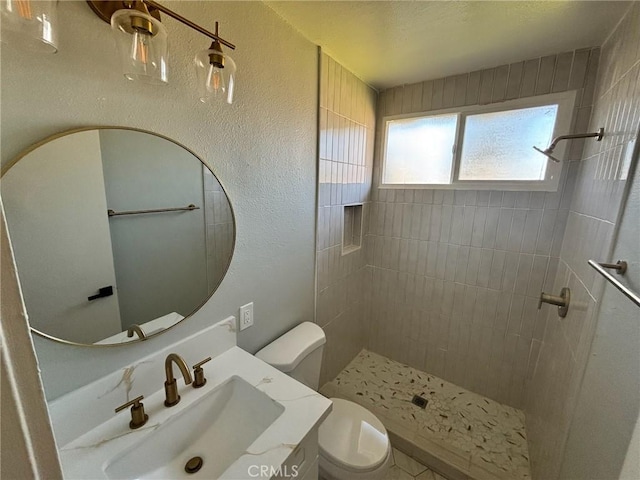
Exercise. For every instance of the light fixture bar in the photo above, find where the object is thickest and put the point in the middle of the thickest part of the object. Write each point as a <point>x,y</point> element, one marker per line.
<point>188,23</point>
<point>106,8</point>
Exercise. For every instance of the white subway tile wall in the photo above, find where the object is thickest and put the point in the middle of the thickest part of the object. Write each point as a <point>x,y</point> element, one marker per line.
<point>456,274</point>
<point>346,133</point>
<point>562,350</point>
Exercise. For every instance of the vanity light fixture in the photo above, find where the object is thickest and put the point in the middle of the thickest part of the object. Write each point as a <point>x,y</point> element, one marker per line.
<point>30,23</point>
<point>216,73</point>
<point>142,45</point>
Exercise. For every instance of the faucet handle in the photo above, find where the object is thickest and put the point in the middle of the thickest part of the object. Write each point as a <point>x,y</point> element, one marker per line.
<point>198,374</point>
<point>138,417</point>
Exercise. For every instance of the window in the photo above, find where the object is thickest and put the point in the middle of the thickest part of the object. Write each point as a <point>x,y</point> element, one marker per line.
<point>479,147</point>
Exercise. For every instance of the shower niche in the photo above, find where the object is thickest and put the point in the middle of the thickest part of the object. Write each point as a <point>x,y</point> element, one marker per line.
<point>351,228</point>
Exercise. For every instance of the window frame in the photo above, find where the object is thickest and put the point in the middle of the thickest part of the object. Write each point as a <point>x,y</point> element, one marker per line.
<point>564,119</point>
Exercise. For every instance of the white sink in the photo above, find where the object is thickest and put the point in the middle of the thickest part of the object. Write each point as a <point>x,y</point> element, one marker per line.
<point>248,415</point>
<point>219,428</point>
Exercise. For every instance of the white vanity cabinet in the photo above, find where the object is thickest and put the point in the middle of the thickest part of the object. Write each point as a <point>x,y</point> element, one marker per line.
<point>303,462</point>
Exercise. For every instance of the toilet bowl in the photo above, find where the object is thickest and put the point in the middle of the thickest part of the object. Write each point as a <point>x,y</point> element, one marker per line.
<point>353,443</point>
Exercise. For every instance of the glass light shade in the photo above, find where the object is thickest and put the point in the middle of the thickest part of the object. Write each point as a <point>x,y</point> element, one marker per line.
<point>30,23</point>
<point>215,84</point>
<point>144,55</point>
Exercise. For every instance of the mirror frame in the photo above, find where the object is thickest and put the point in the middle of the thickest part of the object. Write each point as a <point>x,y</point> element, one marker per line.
<point>65,133</point>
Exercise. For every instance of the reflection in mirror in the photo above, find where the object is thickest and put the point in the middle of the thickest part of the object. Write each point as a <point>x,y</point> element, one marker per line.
<point>118,234</point>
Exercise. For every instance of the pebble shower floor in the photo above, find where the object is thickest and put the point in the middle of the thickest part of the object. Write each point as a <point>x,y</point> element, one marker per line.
<point>476,435</point>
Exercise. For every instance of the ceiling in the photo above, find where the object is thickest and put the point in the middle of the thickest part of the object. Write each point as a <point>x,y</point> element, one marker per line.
<point>389,43</point>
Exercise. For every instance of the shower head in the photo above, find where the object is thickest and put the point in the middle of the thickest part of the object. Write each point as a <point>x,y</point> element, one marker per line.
<point>547,153</point>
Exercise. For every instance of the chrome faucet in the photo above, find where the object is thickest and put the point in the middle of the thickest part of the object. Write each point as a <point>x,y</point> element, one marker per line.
<point>171,385</point>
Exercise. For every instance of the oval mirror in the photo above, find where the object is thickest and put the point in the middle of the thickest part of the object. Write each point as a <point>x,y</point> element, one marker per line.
<point>118,234</point>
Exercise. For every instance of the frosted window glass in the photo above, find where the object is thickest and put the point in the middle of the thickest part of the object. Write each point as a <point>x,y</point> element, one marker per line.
<point>498,146</point>
<point>419,150</point>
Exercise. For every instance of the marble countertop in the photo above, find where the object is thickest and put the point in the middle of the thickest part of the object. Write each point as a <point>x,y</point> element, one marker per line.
<point>87,455</point>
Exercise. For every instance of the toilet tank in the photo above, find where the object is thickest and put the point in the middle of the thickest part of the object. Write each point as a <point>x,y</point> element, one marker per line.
<point>298,353</point>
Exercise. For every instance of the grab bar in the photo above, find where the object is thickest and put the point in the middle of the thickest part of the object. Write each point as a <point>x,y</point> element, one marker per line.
<point>112,213</point>
<point>600,268</point>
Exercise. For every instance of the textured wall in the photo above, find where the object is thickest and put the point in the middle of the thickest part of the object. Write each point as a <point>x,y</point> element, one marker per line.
<point>457,274</point>
<point>28,447</point>
<point>596,204</point>
<point>347,123</point>
<point>609,400</point>
<point>262,148</point>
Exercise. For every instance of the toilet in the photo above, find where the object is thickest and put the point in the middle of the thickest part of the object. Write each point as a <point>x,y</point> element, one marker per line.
<point>353,442</point>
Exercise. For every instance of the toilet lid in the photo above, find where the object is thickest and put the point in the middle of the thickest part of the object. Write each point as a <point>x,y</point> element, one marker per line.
<point>352,437</point>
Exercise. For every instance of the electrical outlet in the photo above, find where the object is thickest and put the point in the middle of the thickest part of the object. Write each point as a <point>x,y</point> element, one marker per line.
<point>246,316</point>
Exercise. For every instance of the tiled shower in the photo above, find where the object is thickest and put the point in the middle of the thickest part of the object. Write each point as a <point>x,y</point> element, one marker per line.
<point>347,122</point>
<point>447,281</point>
<point>461,270</point>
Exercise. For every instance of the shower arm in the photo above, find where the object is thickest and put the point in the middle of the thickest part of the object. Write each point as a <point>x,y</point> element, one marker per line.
<point>599,134</point>
<point>554,143</point>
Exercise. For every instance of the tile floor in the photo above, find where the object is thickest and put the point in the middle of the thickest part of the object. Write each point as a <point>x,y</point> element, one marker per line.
<point>478,437</point>
<point>406,468</point>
